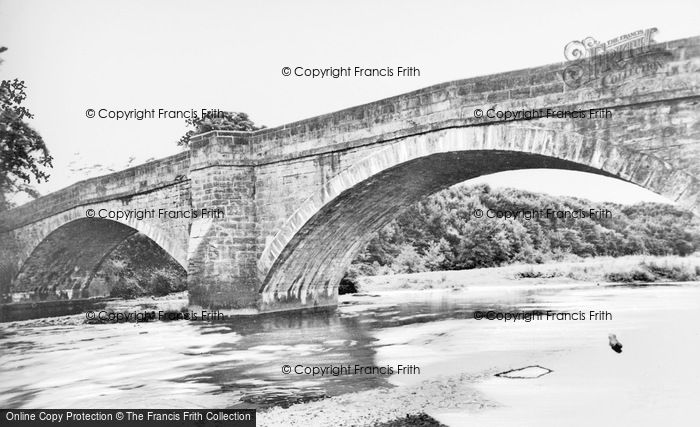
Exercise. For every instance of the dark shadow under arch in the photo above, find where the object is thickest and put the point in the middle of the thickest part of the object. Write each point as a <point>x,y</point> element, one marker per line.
<point>66,261</point>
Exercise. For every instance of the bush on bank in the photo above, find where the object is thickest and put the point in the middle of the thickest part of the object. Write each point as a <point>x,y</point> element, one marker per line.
<point>140,267</point>
<point>657,272</point>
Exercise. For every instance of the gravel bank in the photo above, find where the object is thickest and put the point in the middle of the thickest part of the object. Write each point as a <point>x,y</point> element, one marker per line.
<point>372,407</point>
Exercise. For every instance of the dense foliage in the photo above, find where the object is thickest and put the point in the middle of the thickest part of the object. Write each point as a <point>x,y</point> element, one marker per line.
<point>23,153</point>
<point>439,233</point>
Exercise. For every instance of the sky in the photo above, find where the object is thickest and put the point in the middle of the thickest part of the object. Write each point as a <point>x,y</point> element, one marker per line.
<point>174,54</point>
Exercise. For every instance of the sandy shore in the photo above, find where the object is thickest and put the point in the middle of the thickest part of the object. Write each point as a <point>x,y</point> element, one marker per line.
<point>453,393</point>
<point>653,382</point>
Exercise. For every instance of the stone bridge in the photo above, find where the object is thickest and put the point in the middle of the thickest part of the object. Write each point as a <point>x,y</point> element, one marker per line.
<point>300,200</point>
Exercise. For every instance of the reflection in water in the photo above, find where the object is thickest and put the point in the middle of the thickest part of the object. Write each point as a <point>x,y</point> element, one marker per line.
<point>238,363</point>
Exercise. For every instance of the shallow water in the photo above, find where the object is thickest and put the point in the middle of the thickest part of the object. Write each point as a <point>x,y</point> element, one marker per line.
<point>239,363</point>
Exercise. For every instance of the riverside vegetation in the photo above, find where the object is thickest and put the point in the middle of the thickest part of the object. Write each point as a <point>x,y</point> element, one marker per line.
<point>439,234</point>
<point>139,267</point>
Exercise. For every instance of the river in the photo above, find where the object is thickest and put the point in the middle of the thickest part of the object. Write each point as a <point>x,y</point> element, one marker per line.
<point>239,363</point>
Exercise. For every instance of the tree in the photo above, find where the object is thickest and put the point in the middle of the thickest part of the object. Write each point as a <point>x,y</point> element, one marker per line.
<point>221,121</point>
<point>23,153</point>
<point>408,260</point>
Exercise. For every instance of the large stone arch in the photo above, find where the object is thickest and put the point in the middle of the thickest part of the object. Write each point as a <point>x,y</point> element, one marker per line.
<point>65,251</point>
<point>305,260</point>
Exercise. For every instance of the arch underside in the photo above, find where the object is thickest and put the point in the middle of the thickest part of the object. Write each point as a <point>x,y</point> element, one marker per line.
<point>65,262</point>
<point>315,259</point>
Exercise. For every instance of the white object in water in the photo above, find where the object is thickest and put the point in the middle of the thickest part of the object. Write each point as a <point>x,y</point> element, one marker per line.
<point>527,372</point>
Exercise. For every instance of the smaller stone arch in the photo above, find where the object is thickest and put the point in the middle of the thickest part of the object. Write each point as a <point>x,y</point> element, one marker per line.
<point>67,258</point>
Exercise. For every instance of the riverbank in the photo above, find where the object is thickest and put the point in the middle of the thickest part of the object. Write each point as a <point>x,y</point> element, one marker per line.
<point>627,269</point>
<point>175,302</point>
<point>384,405</point>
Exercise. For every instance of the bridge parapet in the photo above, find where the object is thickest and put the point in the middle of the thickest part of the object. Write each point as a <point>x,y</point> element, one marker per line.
<point>123,184</point>
<point>664,71</point>
<point>454,103</point>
